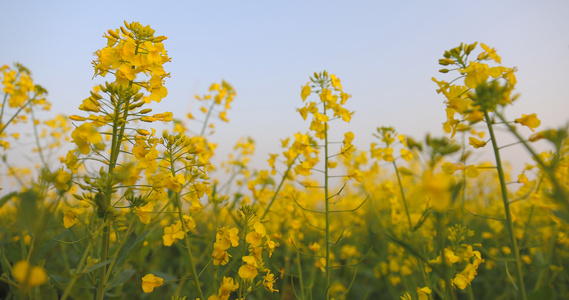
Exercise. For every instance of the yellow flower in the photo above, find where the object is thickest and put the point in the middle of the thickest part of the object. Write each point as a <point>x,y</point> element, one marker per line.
<point>530,121</point>
<point>220,256</point>
<point>189,222</point>
<point>492,53</point>
<point>85,135</point>
<point>314,247</point>
<point>172,234</point>
<point>255,237</point>
<point>476,143</point>
<point>472,171</point>
<point>149,282</point>
<point>305,92</point>
<point>175,183</point>
<point>476,73</point>
<point>406,154</point>
<point>249,269</point>
<point>523,179</point>
<point>227,237</point>
<point>270,245</point>
<point>460,281</point>
<point>423,293</point>
<point>143,212</point>
<point>61,180</point>
<point>268,282</point>
<point>438,188</point>
<point>30,275</point>
<point>70,215</point>
<point>227,286</point>
<point>335,82</point>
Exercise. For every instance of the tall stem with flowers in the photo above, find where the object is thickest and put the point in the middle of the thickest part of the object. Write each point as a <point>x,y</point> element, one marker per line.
<point>486,91</point>
<point>332,100</point>
<point>135,56</point>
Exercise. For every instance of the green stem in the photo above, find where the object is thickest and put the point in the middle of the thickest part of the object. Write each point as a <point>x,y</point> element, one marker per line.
<point>403,196</point>
<point>78,272</point>
<point>193,271</point>
<point>327,209</point>
<point>285,175</point>
<point>445,267</point>
<point>116,141</point>
<point>37,140</point>
<point>207,118</point>
<point>506,202</point>
<point>300,279</point>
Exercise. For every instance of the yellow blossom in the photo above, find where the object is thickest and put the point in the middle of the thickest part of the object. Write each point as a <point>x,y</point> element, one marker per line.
<point>305,92</point>
<point>530,121</point>
<point>143,212</point>
<point>255,237</point>
<point>61,180</point>
<point>149,282</point>
<point>476,143</point>
<point>30,275</point>
<point>70,215</point>
<point>85,135</point>
<point>172,234</point>
<point>249,269</point>
<point>423,293</point>
<point>268,282</point>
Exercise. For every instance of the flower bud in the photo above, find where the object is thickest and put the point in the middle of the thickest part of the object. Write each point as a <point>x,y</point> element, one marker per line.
<point>145,111</point>
<point>470,48</point>
<point>138,97</point>
<point>159,38</point>
<point>143,131</point>
<point>446,61</point>
<point>95,95</point>
<point>443,70</point>
<point>77,118</point>
<point>135,105</point>
<point>114,34</point>
<point>124,31</point>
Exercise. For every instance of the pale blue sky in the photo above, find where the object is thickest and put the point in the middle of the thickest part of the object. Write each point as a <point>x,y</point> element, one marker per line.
<point>385,53</point>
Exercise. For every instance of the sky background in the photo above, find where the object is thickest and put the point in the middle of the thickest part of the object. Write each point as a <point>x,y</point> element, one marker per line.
<point>385,53</point>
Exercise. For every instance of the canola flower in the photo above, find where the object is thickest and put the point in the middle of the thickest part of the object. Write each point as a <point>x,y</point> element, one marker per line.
<point>410,219</point>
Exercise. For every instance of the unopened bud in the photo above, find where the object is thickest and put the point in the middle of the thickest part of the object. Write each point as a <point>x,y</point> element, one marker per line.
<point>77,118</point>
<point>159,38</point>
<point>114,34</point>
<point>95,95</point>
<point>135,105</point>
<point>143,131</point>
<point>138,96</point>
<point>146,110</point>
<point>443,70</point>
<point>446,61</point>
<point>470,48</point>
<point>147,119</point>
<point>124,31</point>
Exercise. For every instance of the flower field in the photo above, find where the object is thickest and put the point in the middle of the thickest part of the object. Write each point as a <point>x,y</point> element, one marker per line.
<point>137,210</point>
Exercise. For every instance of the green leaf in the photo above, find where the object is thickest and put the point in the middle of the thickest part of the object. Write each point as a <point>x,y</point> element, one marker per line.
<point>121,278</point>
<point>126,247</point>
<point>99,265</point>
<point>7,198</point>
